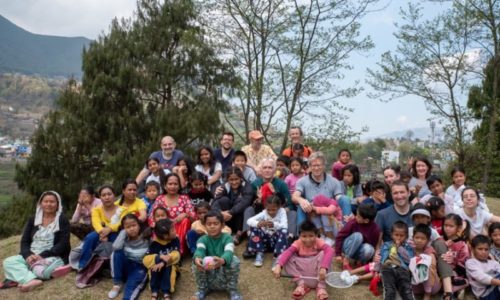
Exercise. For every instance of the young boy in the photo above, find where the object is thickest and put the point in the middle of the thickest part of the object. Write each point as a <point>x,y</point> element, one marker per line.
<point>343,159</point>
<point>240,161</point>
<point>395,257</point>
<point>282,167</point>
<point>162,258</point>
<point>376,191</point>
<point>483,272</point>
<point>358,239</point>
<point>436,187</point>
<point>151,191</point>
<point>198,227</point>
<point>215,267</point>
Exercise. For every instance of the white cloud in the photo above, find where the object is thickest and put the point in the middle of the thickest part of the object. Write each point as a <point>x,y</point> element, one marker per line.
<point>402,119</point>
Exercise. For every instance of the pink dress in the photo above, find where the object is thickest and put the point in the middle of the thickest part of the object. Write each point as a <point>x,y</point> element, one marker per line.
<point>291,181</point>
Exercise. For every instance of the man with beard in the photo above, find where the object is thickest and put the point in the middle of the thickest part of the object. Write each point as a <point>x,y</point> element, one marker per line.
<point>225,153</point>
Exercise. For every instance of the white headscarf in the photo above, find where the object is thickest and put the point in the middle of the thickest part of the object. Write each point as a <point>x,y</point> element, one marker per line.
<point>39,211</point>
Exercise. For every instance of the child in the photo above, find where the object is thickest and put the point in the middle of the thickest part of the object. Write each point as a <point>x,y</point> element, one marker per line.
<point>377,195</point>
<point>282,167</point>
<point>80,224</point>
<point>129,249</point>
<point>328,217</point>
<point>157,174</point>
<point>240,161</point>
<point>184,169</point>
<point>494,234</point>
<point>395,257</point>
<point>425,279</point>
<point>456,235</point>
<point>152,190</point>
<point>297,172</point>
<point>351,190</point>
<point>343,159</point>
<point>478,218</point>
<point>308,256</point>
<point>162,258</point>
<point>436,187</point>
<point>455,190</point>
<point>215,266</point>
<point>268,231</point>
<point>198,192</point>
<point>358,239</point>
<point>209,167</point>
<point>483,273</point>
<point>198,227</point>
<point>435,206</point>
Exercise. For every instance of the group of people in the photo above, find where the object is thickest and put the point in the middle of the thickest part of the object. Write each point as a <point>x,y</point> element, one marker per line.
<point>405,231</point>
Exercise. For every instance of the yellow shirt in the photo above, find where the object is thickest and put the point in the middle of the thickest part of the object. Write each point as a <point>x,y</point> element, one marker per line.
<point>133,208</point>
<point>99,219</point>
<point>254,157</point>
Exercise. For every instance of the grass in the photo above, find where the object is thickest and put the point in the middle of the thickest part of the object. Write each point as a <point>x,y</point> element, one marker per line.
<point>7,185</point>
<point>255,283</point>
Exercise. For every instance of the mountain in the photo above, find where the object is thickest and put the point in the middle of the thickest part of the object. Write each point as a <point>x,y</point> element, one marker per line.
<point>422,133</point>
<point>27,53</point>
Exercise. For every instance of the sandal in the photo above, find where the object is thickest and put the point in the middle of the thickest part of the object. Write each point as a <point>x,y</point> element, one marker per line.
<point>166,296</point>
<point>8,284</point>
<point>448,296</point>
<point>237,239</point>
<point>300,291</point>
<point>321,294</point>
<point>154,296</point>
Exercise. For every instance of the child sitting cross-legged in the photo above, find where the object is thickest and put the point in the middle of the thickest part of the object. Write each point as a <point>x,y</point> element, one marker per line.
<point>162,258</point>
<point>395,257</point>
<point>309,256</point>
<point>214,265</point>
<point>425,279</point>
<point>483,272</point>
<point>268,230</point>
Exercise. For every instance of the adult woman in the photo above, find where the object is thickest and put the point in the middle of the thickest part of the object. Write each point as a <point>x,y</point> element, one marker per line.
<point>179,208</point>
<point>421,170</point>
<point>232,199</point>
<point>130,202</point>
<point>209,167</point>
<point>80,222</point>
<point>477,218</point>
<point>391,174</point>
<point>45,246</point>
<point>184,169</point>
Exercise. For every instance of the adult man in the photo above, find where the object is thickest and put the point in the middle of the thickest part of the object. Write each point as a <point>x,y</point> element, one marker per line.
<point>225,153</point>
<point>296,135</point>
<point>256,151</point>
<point>400,211</point>
<point>168,157</point>
<point>318,182</point>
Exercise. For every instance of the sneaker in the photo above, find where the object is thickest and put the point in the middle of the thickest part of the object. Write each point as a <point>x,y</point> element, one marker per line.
<point>114,292</point>
<point>355,279</point>
<point>248,254</point>
<point>61,271</point>
<point>259,259</point>
<point>234,295</point>
<point>199,295</point>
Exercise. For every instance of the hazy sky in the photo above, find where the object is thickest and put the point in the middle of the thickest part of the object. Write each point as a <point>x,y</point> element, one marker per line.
<point>89,18</point>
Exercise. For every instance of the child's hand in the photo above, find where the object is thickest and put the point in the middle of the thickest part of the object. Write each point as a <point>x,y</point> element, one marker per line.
<point>199,264</point>
<point>270,224</point>
<point>157,267</point>
<point>377,257</point>
<point>448,257</point>
<point>219,262</point>
<point>262,224</point>
<point>165,258</point>
<point>219,190</point>
<point>322,274</point>
<point>277,271</point>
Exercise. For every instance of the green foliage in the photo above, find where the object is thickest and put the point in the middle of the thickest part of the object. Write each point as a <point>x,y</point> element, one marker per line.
<point>14,214</point>
<point>151,76</point>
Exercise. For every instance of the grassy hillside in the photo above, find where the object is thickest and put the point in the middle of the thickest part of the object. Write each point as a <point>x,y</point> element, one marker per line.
<point>28,53</point>
<point>7,184</point>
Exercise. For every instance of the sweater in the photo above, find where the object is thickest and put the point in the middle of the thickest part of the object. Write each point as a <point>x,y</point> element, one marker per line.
<point>280,221</point>
<point>61,247</point>
<point>161,247</point>
<point>370,233</point>
<point>279,186</point>
<point>480,274</point>
<point>299,249</point>
<point>133,249</point>
<point>221,246</point>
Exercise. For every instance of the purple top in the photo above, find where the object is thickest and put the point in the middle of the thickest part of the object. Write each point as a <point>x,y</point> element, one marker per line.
<point>370,233</point>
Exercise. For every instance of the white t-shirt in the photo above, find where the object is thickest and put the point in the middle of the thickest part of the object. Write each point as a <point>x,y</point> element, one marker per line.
<point>199,168</point>
<point>477,224</point>
<point>153,177</point>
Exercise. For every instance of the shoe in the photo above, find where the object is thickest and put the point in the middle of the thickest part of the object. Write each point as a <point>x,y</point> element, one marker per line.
<point>114,292</point>
<point>234,295</point>
<point>199,295</point>
<point>259,259</point>
<point>8,284</point>
<point>248,254</point>
<point>61,271</point>
<point>355,279</point>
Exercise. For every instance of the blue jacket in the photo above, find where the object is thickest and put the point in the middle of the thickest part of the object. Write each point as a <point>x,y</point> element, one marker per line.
<point>405,253</point>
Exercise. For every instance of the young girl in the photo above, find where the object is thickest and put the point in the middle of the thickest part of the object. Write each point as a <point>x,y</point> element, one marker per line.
<point>351,191</point>
<point>308,256</point>
<point>268,231</point>
<point>343,159</point>
<point>161,260</point>
<point>456,235</point>
<point>152,190</point>
<point>455,190</point>
<point>157,174</point>
<point>130,202</point>
<point>494,234</point>
<point>80,222</point>
<point>127,268</point>
<point>179,209</point>
<point>184,169</point>
<point>478,218</point>
<point>424,255</point>
<point>198,227</point>
<point>483,273</point>
<point>297,172</point>
<point>209,167</point>
<point>215,267</point>
<point>435,206</point>
<point>198,192</point>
